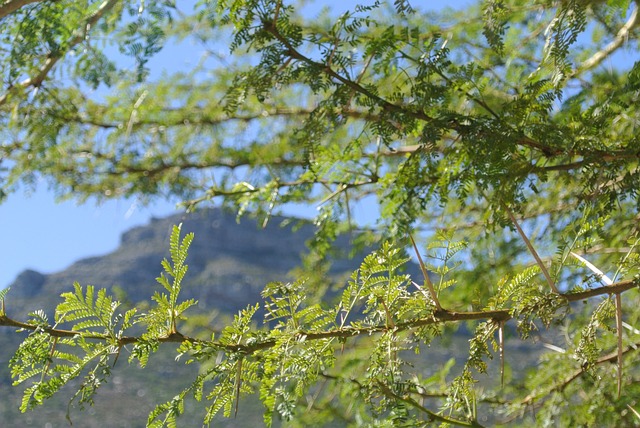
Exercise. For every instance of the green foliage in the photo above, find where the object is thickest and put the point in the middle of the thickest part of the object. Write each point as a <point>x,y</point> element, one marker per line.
<point>50,357</point>
<point>87,314</point>
<point>50,361</point>
<point>161,320</point>
<point>494,133</point>
<point>2,294</point>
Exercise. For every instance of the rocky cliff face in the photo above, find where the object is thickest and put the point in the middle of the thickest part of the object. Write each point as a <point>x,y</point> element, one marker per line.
<point>229,265</point>
<point>28,284</point>
<point>229,262</point>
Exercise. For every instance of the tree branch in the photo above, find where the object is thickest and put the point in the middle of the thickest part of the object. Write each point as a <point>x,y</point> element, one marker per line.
<point>433,416</point>
<point>5,321</point>
<point>51,60</point>
<point>522,140</point>
<point>618,287</point>
<point>615,44</point>
<point>436,317</point>
<point>11,6</point>
<point>198,117</point>
<point>609,358</point>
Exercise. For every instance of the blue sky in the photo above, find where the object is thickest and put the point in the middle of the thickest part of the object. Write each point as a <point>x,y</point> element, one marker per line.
<point>46,236</point>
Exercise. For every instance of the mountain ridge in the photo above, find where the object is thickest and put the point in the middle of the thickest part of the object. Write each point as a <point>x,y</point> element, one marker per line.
<point>227,258</point>
<point>229,265</point>
<point>229,262</point>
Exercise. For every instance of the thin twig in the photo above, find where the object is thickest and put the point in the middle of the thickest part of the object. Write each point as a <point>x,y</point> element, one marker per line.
<point>238,385</point>
<point>432,415</point>
<point>533,251</point>
<point>611,357</point>
<point>501,346</point>
<point>615,44</point>
<point>619,331</point>
<point>427,280</point>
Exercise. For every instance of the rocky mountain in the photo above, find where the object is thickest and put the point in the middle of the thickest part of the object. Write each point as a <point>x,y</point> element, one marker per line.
<point>229,264</point>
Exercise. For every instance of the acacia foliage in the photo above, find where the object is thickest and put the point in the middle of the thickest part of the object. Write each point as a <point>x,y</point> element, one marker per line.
<point>500,137</point>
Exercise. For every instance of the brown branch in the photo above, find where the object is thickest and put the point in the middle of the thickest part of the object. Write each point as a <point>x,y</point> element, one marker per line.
<point>5,321</point>
<point>119,168</point>
<point>433,416</point>
<point>197,117</point>
<point>217,192</point>
<point>522,140</point>
<point>438,316</point>
<point>384,104</point>
<point>615,44</point>
<point>295,54</point>
<point>618,287</point>
<point>563,167</point>
<point>11,6</point>
<point>52,59</point>
<point>595,157</point>
<point>609,358</point>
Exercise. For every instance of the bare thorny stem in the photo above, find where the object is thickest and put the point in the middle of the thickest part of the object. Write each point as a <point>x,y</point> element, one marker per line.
<point>532,250</point>
<point>427,280</point>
